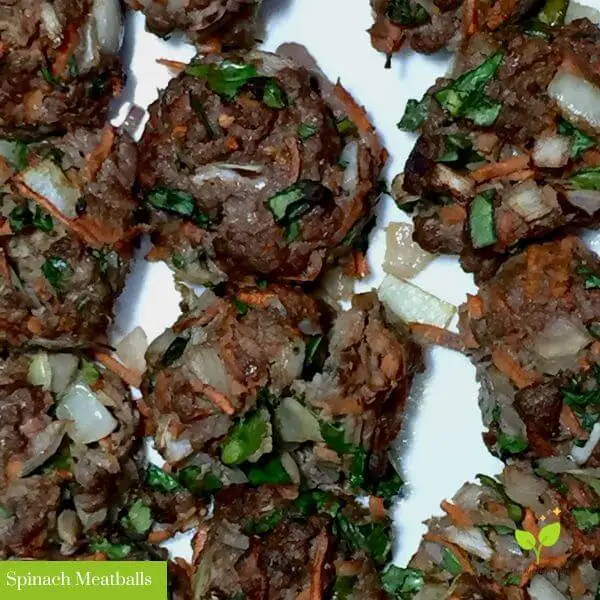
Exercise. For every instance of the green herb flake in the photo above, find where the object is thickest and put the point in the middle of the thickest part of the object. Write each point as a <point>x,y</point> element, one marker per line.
<point>515,511</point>
<point>389,488</point>
<point>244,440</point>
<point>451,563</point>
<point>240,307</point>
<point>586,179</point>
<point>306,131</point>
<point>317,501</point>
<point>414,114</point>
<point>407,13</point>
<point>345,126</point>
<point>483,112</point>
<point>89,371</point>
<point>20,155</point>
<point>586,519</point>
<point>199,109</point>
<point>373,538</point>
<point>139,518</point>
<point>42,220</point>
<point>179,261</point>
<point>158,479</point>
<point>175,351</point>
<point>272,473</point>
<point>48,76</point>
<point>315,353</point>
<point>56,270</point>
<point>510,444</point>
<point>5,513</point>
<point>175,201</point>
<point>553,479</point>
<point>19,218</point>
<point>553,12</point>
<point>481,220</point>
<point>225,79</point>
<point>357,468</point>
<point>264,524</point>
<point>512,579</point>
<point>274,96</point>
<point>112,551</point>
<point>193,479</point>
<point>292,232</point>
<point>343,587</point>
<point>580,142</point>
<point>334,435</point>
<point>401,583</point>
<point>591,281</point>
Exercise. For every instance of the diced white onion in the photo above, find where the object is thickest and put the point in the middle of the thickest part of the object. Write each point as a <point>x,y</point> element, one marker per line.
<point>446,178</point>
<point>336,286</point>
<point>51,23</point>
<point>90,419</point>
<point>541,589</point>
<point>43,446</point>
<point>47,180</point>
<point>349,159</point>
<point>244,168</point>
<point>525,488</point>
<point>132,348</point>
<point>404,258</point>
<point>561,337</point>
<point>64,367</point>
<point>8,150</point>
<point>287,365</point>
<point>530,201</point>
<point>296,423</point>
<point>586,200</point>
<point>558,464</point>
<point>582,455</point>
<point>410,303</point>
<point>108,24</point>
<point>40,371</point>
<point>576,97</point>
<point>472,540</point>
<point>580,11</point>
<point>206,364</point>
<point>291,468</point>
<point>68,526</point>
<point>552,151</point>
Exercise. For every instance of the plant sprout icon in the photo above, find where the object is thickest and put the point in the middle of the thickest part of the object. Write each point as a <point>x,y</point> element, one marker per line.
<point>547,537</point>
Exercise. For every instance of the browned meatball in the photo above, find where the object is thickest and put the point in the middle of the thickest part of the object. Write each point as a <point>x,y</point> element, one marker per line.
<point>59,64</point>
<point>248,172</point>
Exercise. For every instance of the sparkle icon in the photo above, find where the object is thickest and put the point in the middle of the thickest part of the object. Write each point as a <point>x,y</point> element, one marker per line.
<point>543,518</point>
<point>557,511</point>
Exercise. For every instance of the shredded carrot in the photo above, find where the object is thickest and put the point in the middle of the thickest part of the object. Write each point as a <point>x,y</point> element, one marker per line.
<point>174,65</point>
<point>199,543</point>
<point>571,422</point>
<point>470,25</point>
<point>458,515</point>
<point>5,229</point>
<point>158,253</point>
<point>231,143</point>
<point>521,175</point>
<point>460,554</point>
<point>316,581</point>
<point>591,158</point>
<point>344,405</point>
<point>66,49</point>
<point>453,214</point>
<point>95,159</point>
<point>179,131</point>
<point>129,376</point>
<point>500,169</point>
<point>217,398</point>
<point>505,363</point>
<point>13,468</point>
<point>295,163</point>
<point>260,298</point>
<point>499,13</point>
<point>546,562</point>
<point>361,266</point>
<point>427,335</point>
<point>475,306</point>
<point>377,508</point>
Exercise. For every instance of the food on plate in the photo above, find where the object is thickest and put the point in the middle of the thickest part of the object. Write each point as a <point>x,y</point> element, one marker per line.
<point>212,24</point>
<point>532,330</point>
<point>527,534</point>
<point>59,64</point>
<point>68,431</point>
<point>255,389</point>
<point>507,152</point>
<point>271,543</point>
<point>67,218</point>
<point>250,168</point>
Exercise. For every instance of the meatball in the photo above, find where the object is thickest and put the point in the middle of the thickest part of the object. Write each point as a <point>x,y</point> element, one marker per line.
<point>472,549</point>
<point>264,545</point>
<point>534,321</point>
<point>67,214</point>
<point>490,183</point>
<point>237,393</point>
<point>59,65</point>
<point>68,431</point>
<point>249,169</point>
<point>226,24</point>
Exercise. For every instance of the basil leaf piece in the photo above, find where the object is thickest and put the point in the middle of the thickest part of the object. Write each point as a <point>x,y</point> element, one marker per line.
<point>334,436</point>
<point>199,109</point>
<point>20,155</point>
<point>591,280</point>
<point>240,307</point>
<point>159,479</point>
<point>482,111</point>
<point>357,468</point>
<point>89,371</point>
<point>515,511</point>
<point>405,12</point>
<point>244,439</point>
<point>373,538</point>
<point>345,126</point>
<point>415,114</point>
<point>481,220</point>
<point>343,587</point>
<point>56,270</point>
<point>226,78</point>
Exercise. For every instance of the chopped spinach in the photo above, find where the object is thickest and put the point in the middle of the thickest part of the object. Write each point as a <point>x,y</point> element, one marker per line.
<point>390,487</point>
<point>240,307</point>
<point>270,472</point>
<point>357,468</point>
<point>415,114</point>
<point>199,109</point>
<point>458,150</point>
<point>42,220</point>
<point>406,12</point>
<point>580,142</point>
<point>402,583</point>
<point>510,444</point>
<point>19,218</point>
<point>138,519</point>
<point>586,519</point>
<point>318,501</point>
<point>176,201</point>
<point>193,479</point>
<point>158,479</point>
<point>373,538</point>
<point>334,435</point>
<point>553,12</point>
<point>225,79</point>
<point>273,95</point>
<point>89,371</point>
<point>112,551</point>
<point>586,179</point>
<point>174,351</point>
<point>244,439</point>
<point>451,563</point>
<point>264,524</point>
<point>56,270</point>
<point>515,511</point>
<point>481,220</point>
<point>306,131</point>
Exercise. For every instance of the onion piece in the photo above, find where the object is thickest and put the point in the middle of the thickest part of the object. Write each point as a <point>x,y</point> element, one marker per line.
<point>132,348</point>
<point>404,258</point>
<point>580,11</point>
<point>296,423</point>
<point>90,419</point>
<point>410,303</point>
<point>40,371</point>
<point>336,286</point>
<point>47,180</point>
<point>349,158</point>
<point>561,337</point>
<point>8,150</point>
<point>552,151</point>
<point>576,97</point>
<point>64,367</point>
<point>205,364</point>
<point>472,540</point>
<point>44,445</point>
<point>68,526</point>
<point>291,468</point>
<point>461,186</point>
<point>541,589</point>
<point>532,202</point>
<point>244,168</point>
<point>582,455</point>
<point>108,25</point>
<point>51,23</point>
<point>586,200</point>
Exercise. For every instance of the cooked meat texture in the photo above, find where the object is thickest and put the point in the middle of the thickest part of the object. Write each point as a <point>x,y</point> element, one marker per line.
<point>58,65</point>
<point>85,477</point>
<point>263,190</point>
<point>211,366</point>
<point>64,256</point>
<point>531,200</point>
<point>477,535</point>
<point>260,544</point>
<point>532,322</point>
<point>226,24</point>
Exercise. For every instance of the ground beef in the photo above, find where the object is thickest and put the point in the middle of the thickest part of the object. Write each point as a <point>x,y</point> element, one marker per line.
<point>67,251</point>
<point>270,191</point>
<point>478,532</point>
<point>85,476</point>
<point>262,544</point>
<point>532,201</point>
<point>58,64</point>
<point>226,24</point>
<point>534,322</point>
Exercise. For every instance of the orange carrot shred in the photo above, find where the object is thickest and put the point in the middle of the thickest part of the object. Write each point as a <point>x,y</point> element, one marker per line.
<point>316,582</point>
<point>129,376</point>
<point>174,65</point>
<point>505,363</point>
<point>500,169</point>
<point>217,398</point>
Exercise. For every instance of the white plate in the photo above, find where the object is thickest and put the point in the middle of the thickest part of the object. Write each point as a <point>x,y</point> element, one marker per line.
<point>441,445</point>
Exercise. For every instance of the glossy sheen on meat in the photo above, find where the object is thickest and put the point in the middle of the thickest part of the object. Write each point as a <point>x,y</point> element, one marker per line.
<point>33,440</point>
<point>532,321</point>
<point>201,159</point>
<point>59,281</point>
<point>527,115</point>
<point>294,554</point>
<point>228,23</point>
<point>55,70</point>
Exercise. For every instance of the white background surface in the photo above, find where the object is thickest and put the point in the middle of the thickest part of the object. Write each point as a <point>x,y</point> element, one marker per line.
<point>441,446</point>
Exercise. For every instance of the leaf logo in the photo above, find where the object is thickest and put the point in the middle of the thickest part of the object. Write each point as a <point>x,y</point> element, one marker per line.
<point>548,536</point>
